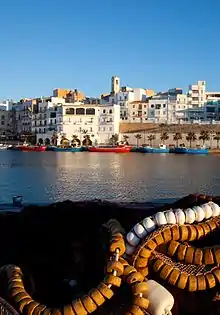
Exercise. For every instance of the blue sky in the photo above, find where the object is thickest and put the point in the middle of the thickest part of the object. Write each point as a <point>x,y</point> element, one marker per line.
<point>156,44</point>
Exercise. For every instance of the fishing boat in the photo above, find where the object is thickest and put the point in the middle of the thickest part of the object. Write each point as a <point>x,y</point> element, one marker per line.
<point>3,147</point>
<point>29,148</point>
<point>184,150</point>
<point>57,149</point>
<point>161,149</point>
<point>110,149</point>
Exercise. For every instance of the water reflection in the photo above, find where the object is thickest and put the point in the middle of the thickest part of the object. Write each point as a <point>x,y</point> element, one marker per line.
<point>50,176</point>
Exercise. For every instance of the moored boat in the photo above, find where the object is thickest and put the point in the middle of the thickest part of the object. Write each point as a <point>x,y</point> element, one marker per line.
<point>184,150</point>
<point>29,148</point>
<point>57,149</point>
<point>161,149</point>
<point>3,147</point>
<point>110,149</point>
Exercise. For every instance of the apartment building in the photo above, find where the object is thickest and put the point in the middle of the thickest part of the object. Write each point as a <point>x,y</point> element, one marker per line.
<point>197,94</point>
<point>138,111</point>
<point>100,122</point>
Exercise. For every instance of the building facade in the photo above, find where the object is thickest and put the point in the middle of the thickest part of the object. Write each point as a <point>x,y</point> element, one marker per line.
<point>99,122</point>
<point>197,94</point>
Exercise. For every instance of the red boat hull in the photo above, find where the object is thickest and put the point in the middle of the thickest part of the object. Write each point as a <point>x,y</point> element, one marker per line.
<point>110,150</point>
<point>32,149</point>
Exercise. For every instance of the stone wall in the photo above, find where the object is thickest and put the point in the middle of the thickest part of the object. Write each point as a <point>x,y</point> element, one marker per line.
<point>150,127</point>
<point>144,140</point>
<point>145,130</point>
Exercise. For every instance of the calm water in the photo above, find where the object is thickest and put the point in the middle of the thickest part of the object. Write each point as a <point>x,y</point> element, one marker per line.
<point>49,176</point>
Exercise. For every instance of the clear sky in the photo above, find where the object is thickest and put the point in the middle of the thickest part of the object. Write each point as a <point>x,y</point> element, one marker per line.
<point>156,44</point>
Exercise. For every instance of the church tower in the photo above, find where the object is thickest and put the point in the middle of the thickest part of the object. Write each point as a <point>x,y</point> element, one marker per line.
<point>115,85</point>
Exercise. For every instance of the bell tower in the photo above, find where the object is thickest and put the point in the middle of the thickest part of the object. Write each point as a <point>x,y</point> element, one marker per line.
<point>115,85</point>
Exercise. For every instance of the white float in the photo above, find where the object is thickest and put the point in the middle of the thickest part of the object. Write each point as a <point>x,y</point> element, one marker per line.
<point>170,217</point>
<point>180,216</point>
<point>190,216</point>
<point>160,218</point>
<point>199,212</point>
<point>207,209</point>
<point>140,230</point>
<point>149,224</point>
<point>215,209</point>
<point>160,299</point>
<point>132,239</point>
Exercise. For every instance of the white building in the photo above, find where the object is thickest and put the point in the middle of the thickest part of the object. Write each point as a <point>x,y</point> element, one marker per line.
<point>159,109</point>
<point>6,105</point>
<point>138,112</point>
<point>197,94</point>
<point>44,115</point>
<point>100,122</point>
<point>169,107</point>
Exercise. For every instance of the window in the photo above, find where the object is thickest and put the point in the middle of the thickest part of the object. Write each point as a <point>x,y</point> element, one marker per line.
<point>133,113</point>
<point>110,128</point>
<point>3,117</point>
<point>45,122</point>
<point>80,111</point>
<point>158,106</point>
<point>164,105</point>
<point>145,106</point>
<point>69,111</point>
<point>110,120</point>
<point>104,111</point>
<point>152,106</point>
<point>164,112</point>
<point>2,122</point>
<point>90,111</point>
<point>103,128</point>
<point>40,123</point>
<point>52,115</point>
<point>145,113</point>
<point>133,106</point>
<point>125,97</point>
<point>110,111</point>
<point>39,130</point>
<point>90,129</point>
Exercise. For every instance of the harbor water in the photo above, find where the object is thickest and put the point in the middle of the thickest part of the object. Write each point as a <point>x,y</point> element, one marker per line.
<point>45,177</point>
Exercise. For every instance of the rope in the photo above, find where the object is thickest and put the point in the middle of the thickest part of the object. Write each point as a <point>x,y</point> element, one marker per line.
<point>160,250</point>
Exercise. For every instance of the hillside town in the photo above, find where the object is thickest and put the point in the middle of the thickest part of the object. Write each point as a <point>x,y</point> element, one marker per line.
<point>125,110</point>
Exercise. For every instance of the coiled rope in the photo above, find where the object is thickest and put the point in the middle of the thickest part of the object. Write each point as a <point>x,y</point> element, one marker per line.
<point>156,245</point>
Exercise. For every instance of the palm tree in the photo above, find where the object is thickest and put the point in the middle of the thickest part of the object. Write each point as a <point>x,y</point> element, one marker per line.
<point>178,136</point>
<point>54,139</point>
<point>75,140</point>
<point>217,138</point>
<point>47,141</point>
<point>114,139</point>
<point>138,137</point>
<point>191,137</point>
<point>204,136</point>
<point>164,136</point>
<point>151,138</point>
<point>87,141</point>
<point>64,141</point>
<point>125,139</point>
